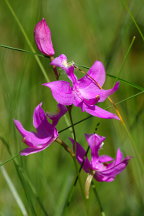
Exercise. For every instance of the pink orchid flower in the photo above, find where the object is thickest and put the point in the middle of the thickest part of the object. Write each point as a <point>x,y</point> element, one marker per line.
<point>103,168</point>
<point>45,134</point>
<point>84,92</point>
<point>42,35</point>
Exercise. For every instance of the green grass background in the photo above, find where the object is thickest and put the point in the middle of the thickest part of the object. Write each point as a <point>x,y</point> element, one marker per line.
<point>85,31</point>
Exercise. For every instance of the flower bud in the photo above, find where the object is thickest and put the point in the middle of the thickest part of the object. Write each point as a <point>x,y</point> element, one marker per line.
<point>42,37</point>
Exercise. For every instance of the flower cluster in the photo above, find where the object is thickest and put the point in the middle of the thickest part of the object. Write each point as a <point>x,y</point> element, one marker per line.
<point>85,93</point>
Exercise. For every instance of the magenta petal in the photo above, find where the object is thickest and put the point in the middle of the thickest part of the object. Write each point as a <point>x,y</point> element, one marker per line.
<point>106,93</point>
<point>71,75</point>
<point>42,37</point>
<point>95,143</point>
<point>111,171</point>
<point>99,112</point>
<point>95,73</point>
<point>61,91</point>
<point>92,91</point>
<point>55,117</point>
<point>80,156</point>
<point>21,129</point>
<point>39,118</point>
<point>40,122</point>
<point>115,170</point>
<point>34,139</point>
<point>46,133</point>
<point>105,158</point>
<point>119,157</point>
<point>89,92</point>
<point>30,150</point>
<point>102,178</point>
<point>60,61</point>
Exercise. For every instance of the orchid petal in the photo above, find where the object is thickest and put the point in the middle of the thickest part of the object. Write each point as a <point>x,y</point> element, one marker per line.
<point>71,75</point>
<point>95,144</point>
<point>105,158</point>
<point>34,139</point>
<point>60,61</point>
<point>39,118</point>
<point>61,91</point>
<point>98,112</point>
<point>46,132</point>
<point>119,157</point>
<point>21,129</point>
<point>42,36</point>
<point>109,174</point>
<point>103,94</point>
<point>92,91</point>
<point>30,150</point>
<point>116,169</point>
<point>96,74</point>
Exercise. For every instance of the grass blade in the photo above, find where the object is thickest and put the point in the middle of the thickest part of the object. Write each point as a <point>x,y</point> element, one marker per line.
<point>21,50</point>
<point>14,191</point>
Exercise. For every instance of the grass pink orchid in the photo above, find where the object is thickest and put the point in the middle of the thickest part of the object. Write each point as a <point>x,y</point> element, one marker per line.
<point>103,168</point>
<point>42,35</point>
<point>46,132</point>
<point>84,92</point>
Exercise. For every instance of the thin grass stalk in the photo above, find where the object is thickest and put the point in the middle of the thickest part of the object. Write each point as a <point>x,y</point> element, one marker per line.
<point>21,50</point>
<point>125,6</point>
<point>125,57</point>
<point>98,199</point>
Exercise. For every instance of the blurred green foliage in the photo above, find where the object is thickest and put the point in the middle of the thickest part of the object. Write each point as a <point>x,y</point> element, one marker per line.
<point>84,30</point>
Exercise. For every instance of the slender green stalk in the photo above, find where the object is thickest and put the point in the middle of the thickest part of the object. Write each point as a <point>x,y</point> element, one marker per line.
<point>133,19</point>
<point>21,50</point>
<point>73,129</point>
<point>98,199</point>
<point>74,159</point>
<point>125,56</point>
<point>10,159</point>
<point>65,146</point>
<point>27,39</point>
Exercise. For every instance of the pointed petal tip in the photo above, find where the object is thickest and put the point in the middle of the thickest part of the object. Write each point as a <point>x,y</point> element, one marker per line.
<point>45,84</point>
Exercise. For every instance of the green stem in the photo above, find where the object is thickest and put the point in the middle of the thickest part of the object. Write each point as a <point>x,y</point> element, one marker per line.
<point>10,159</point>
<point>65,146</point>
<point>125,57</point>
<point>98,199</point>
<point>73,129</point>
<point>21,50</point>
<point>74,159</point>
<point>133,19</point>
